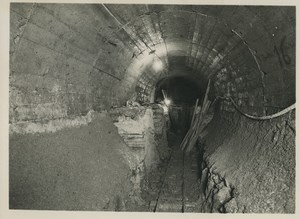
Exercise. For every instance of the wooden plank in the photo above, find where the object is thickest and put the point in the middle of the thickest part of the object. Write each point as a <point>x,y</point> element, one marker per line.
<point>197,126</point>
<point>194,113</point>
<point>164,94</point>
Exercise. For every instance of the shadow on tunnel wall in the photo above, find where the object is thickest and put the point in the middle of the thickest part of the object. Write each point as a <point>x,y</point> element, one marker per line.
<point>68,61</point>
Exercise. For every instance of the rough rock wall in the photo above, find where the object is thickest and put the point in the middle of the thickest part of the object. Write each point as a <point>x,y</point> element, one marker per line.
<point>80,168</point>
<point>160,132</point>
<point>249,166</point>
<point>143,129</point>
<point>217,196</point>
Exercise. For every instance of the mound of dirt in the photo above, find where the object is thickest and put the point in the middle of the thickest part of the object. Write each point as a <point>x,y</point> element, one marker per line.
<point>257,159</point>
<point>73,169</point>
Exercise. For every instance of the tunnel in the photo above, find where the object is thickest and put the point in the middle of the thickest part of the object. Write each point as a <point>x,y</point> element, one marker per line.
<point>152,108</point>
<point>181,92</point>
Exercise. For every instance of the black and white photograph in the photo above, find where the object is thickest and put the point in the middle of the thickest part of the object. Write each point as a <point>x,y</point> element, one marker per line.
<point>151,107</point>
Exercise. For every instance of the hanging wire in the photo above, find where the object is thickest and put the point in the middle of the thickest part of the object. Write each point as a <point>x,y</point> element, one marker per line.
<point>282,112</point>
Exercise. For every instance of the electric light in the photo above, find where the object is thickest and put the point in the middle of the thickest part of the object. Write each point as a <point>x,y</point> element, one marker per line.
<point>167,101</point>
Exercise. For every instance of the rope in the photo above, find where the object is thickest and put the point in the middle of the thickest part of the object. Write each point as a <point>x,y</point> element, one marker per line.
<point>282,112</point>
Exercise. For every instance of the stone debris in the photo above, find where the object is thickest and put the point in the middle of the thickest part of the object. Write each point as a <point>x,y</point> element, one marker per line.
<point>215,191</point>
<point>143,129</point>
<point>67,61</point>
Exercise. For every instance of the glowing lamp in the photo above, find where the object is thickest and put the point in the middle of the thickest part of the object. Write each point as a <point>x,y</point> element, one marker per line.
<point>167,101</point>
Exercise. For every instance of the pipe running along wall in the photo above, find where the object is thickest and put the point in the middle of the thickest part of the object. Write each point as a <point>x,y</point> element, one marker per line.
<point>69,59</point>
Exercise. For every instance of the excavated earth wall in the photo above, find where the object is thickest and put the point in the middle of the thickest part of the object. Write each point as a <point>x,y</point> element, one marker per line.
<point>143,129</point>
<point>95,162</point>
<point>77,168</point>
<point>249,166</point>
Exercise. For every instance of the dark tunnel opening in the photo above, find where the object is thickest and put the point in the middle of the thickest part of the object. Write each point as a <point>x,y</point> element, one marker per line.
<point>103,110</point>
<point>181,90</point>
<point>182,93</point>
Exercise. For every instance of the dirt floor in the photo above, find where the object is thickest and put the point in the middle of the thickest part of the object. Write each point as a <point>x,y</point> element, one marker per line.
<point>241,166</point>
<point>174,185</point>
<point>248,166</point>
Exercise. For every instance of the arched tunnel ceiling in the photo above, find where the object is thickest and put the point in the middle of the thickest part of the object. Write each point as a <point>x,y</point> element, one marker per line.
<point>103,54</point>
<point>68,60</point>
<point>230,44</point>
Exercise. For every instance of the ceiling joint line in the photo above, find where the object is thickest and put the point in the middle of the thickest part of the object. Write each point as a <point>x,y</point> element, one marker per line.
<point>189,58</point>
<point>209,39</point>
<point>164,41</point>
<point>262,73</point>
<point>224,58</point>
<point>206,66</point>
<point>121,27</point>
<point>134,33</point>
<point>198,48</point>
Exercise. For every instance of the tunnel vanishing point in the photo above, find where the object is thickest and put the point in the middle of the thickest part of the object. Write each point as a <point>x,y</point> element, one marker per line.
<point>102,97</point>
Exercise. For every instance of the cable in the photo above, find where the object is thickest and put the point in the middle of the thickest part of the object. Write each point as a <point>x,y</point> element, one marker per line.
<point>282,112</point>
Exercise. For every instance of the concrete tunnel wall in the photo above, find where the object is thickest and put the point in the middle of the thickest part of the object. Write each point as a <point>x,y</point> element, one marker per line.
<point>68,59</point>
<point>86,57</point>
